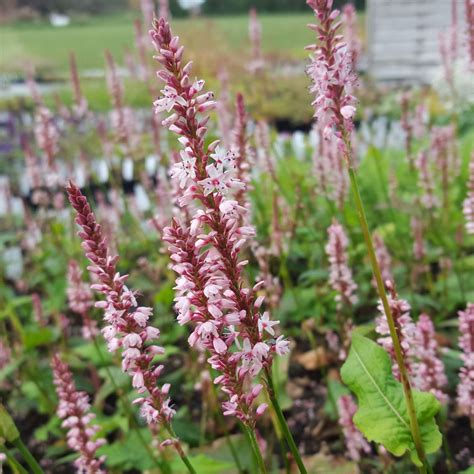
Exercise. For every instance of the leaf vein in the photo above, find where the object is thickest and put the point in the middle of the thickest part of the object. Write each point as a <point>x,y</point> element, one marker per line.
<point>380,390</point>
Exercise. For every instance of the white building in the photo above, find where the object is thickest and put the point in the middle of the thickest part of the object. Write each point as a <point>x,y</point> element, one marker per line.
<point>404,37</point>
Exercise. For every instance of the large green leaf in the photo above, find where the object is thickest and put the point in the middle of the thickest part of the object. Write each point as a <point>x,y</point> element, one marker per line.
<point>382,414</point>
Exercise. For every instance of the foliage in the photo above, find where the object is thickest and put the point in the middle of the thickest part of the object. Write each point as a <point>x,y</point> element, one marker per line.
<point>382,412</point>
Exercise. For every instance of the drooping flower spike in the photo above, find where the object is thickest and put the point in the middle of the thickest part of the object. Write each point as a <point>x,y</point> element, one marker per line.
<point>127,323</point>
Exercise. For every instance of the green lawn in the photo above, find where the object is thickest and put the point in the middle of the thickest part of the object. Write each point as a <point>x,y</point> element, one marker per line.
<point>48,48</point>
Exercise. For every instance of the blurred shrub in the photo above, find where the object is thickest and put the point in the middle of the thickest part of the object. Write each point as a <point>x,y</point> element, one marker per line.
<point>219,7</point>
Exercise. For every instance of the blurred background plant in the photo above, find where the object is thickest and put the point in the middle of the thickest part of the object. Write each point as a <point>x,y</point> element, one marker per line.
<point>90,118</point>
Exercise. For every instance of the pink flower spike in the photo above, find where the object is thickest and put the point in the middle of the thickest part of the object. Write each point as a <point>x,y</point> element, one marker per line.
<point>74,409</point>
<point>127,323</point>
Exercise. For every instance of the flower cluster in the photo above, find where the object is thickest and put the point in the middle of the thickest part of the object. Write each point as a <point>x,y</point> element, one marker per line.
<point>210,289</point>
<point>127,323</point>
<point>46,134</point>
<point>428,369</point>
<point>80,299</point>
<point>355,441</point>
<point>74,410</point>
<point>426,183</point>
<point>340,277</point>
<point>332,75</point>
<point>466,375</point>
<point>349,17</point>
<point>419,346</point>
<point>468,204</point>
<point>404,325</point>
<point>331,176</point>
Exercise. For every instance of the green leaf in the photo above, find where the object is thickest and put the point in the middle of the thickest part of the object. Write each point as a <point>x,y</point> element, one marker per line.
<point>382,414</point>
<point>35,337</point>
<point>202,463</point>
<point>8,429</point>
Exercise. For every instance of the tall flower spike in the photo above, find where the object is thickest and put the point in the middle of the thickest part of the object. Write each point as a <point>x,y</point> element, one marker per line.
<point>127,323</point>
<point>229,312</point>
<point>466,375</point>
<point>468,204</point>
<point>331,72</point>
<point>74,410</point>
<point>356,444</point>
<point>340,277</point>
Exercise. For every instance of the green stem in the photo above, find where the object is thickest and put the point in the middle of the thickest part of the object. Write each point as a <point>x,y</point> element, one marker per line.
<point>27,456</point>
<point>179,448</point>
<point>16,467</point>
<point>126,407</point>
<point>256,450</point>
<point>415,429</point>
<point>220,418</point>
<point>282,422</point>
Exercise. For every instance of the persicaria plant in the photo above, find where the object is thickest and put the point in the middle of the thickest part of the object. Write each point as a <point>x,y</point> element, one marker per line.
<point>269,278</point>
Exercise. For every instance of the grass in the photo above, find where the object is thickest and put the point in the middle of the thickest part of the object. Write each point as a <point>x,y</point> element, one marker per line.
<point>48,47</point>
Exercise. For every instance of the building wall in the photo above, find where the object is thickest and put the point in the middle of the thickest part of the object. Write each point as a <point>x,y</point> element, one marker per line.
<point>403,37</point>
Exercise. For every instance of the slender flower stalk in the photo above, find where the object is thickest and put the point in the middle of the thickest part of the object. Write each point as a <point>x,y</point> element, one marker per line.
<point>127,323</point>
<point>121,116</point>
<point>224,116</point>
<point>356,444</point>
<point>241,146</point>
<point>80,107</point>
<point>407,125</point>
<point>211,290</point>
<point>255,35</point>
<point>468,204</point>
<point>340,276</point>
<point>74,410</point>
<point>333,80</point>
<point>465,388</point>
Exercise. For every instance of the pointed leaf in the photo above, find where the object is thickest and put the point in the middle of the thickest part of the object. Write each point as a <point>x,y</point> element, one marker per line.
<point>8,429</point>
<point>382,414</point>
